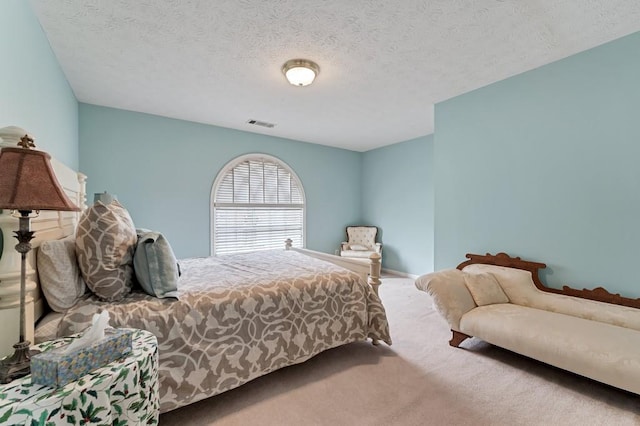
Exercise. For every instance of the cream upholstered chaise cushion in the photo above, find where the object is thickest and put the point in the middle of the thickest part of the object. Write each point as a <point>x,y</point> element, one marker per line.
<point>601,351</point>
<point>520,289</point>
<point>105,243</point>
<point>361,242</point>
<point>451,297</point>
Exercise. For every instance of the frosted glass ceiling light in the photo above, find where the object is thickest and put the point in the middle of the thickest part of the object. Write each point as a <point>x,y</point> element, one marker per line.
<point>300,72</point>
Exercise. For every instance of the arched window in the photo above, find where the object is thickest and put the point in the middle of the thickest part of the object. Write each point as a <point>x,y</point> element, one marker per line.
<point>257,203</point>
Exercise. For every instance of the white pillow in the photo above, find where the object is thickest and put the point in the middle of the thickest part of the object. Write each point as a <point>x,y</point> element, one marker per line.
<point>60,277</point>
<point>358,247</point>
<point>485,289</point>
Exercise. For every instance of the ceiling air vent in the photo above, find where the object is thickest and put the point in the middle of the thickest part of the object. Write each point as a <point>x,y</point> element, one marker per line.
<point>261,123</point>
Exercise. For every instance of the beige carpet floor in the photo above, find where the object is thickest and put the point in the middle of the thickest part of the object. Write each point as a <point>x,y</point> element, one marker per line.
<point>419,380</point>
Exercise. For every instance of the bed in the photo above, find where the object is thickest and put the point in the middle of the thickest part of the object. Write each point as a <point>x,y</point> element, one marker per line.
<point>235,317</point>
<point>243,316</point>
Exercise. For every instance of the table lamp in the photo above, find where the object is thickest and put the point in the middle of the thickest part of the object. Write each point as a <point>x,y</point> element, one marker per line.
<point>27,184</point>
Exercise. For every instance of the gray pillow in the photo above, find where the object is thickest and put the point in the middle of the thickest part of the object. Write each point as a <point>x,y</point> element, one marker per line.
<point>59,273</point>
<point>155,265</point>
<point>105,241</point>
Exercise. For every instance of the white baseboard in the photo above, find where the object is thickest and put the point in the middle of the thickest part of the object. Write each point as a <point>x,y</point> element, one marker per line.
<point>398,273</point>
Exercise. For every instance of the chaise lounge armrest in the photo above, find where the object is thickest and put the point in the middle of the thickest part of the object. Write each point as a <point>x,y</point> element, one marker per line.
<point>451,297</point>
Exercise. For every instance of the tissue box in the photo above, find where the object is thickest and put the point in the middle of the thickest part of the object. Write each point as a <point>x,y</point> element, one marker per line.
<point>55,368</point>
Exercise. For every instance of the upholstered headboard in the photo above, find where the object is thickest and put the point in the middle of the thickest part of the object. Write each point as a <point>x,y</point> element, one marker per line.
<point>49,225</point>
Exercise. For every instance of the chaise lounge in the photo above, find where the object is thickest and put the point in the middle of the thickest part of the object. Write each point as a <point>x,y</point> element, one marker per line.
<point>502,301</point>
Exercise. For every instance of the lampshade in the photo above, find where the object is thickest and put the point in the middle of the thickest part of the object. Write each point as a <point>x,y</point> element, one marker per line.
<point>27,182</point>
<point>300,72</point>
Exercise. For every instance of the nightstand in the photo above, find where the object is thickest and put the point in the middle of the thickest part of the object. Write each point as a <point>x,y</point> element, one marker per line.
<point>123,392</point>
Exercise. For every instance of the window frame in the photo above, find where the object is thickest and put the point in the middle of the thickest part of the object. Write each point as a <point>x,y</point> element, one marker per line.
<point>231,165</point>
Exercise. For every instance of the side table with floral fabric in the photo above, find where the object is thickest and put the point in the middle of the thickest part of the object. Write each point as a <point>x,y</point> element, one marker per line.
<point>123,392</point>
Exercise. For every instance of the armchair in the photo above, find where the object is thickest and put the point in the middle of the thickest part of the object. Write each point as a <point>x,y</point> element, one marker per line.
<point>361,242</point>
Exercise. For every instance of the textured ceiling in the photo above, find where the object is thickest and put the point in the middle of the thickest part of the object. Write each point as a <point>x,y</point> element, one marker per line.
<point>383,63</point>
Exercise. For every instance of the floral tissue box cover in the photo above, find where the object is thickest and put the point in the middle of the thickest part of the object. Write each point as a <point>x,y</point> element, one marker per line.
<point>56,368</point>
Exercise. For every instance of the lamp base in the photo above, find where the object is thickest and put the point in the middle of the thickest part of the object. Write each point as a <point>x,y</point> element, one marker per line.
<point>17,365</point>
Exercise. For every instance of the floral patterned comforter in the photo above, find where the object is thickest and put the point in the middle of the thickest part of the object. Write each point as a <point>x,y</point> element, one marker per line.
<point>241,316</point>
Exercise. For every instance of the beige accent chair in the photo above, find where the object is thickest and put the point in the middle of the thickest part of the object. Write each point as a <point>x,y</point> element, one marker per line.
<point>361,242</point>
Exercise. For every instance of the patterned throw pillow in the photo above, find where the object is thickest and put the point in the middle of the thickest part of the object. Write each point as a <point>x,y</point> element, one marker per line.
<point>60,277</point>
<point>105,243</point>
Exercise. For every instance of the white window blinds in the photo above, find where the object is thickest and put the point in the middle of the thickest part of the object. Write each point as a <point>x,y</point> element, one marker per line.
<point>258,204</point>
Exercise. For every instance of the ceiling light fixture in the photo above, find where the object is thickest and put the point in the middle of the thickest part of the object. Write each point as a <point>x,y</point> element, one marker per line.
<point>300,72</point>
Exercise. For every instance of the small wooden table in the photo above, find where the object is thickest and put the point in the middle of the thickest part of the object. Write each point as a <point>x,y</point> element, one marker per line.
<point>124,392</point>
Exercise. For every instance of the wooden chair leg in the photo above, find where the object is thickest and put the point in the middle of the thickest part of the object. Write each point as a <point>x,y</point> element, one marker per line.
<point>457,338</point>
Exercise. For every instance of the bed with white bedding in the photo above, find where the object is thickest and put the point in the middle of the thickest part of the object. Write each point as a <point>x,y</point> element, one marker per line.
<point>241,316</point>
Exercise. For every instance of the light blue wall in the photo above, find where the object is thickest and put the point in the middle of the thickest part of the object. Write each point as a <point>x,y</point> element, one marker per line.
<point>163,169</point>
<point>545,165</point>
<point>397,196</point>
<point>34,93</point>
